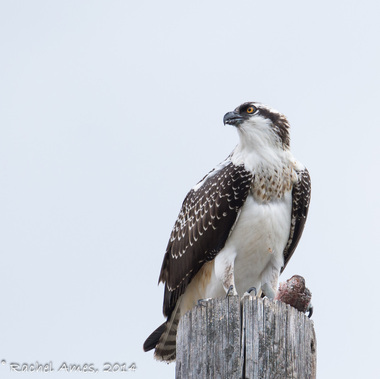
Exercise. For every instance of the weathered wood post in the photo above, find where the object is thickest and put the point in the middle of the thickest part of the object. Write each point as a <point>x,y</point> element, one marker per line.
<point>258,338</point>
<point>208,340</point>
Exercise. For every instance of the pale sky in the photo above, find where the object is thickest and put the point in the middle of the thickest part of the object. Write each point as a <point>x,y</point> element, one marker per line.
<point>110,111</point>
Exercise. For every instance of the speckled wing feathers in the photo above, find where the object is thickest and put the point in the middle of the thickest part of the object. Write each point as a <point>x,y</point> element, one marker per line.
<point>202,228</point>
<point>301,198</point>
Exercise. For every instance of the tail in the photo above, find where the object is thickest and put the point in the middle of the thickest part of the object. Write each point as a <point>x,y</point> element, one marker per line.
<point>163,339</point>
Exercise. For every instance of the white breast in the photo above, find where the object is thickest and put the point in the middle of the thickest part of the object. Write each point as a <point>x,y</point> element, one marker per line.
<point>255,245</point>
<point>259,239</point>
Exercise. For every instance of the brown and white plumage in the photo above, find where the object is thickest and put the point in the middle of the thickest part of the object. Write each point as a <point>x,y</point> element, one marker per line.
<point>239,226</point>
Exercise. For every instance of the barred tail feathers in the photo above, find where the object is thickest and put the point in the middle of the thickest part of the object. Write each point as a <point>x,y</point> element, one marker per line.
<point>166,347</point>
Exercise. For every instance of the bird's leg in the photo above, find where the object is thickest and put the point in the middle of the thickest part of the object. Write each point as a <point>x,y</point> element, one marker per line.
<point>270,286</point>
<point>224,271</point>
<point>228,281</point>
<point>268,291</point>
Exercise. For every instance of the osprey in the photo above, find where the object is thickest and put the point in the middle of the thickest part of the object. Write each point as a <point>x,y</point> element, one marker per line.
<point>239,226</point>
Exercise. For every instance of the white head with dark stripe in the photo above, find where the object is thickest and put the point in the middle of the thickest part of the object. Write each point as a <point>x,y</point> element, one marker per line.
<point>259,126</point>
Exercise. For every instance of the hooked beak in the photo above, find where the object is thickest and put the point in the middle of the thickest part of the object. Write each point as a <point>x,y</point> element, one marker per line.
<point>233,118</point>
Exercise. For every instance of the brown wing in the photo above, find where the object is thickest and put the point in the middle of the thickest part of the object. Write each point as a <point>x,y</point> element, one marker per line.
<point>202,228</point>
<point>301,199</point>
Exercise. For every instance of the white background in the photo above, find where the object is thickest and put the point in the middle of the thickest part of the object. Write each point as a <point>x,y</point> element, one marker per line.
<point>110,111</point>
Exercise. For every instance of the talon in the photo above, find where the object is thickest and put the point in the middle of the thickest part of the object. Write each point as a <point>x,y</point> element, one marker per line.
<point>230,291</point>
<point>310,310</point>
<point>252,289</point>
<point>203,302</point>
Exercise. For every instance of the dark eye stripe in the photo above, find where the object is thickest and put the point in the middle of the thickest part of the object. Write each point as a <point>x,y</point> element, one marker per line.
<point>247,109</point>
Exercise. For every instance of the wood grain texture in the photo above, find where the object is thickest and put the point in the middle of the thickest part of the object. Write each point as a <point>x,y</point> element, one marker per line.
<point>208,340</point>
<point>255,338</point>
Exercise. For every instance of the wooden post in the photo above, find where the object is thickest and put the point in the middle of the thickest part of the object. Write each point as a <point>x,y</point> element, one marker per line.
<point>256,338</point>
<point>208,340</point>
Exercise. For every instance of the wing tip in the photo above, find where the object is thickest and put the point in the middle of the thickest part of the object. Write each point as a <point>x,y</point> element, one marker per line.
<point>152,341</point>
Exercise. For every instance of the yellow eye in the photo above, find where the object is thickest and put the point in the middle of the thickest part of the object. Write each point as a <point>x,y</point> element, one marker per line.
<point>250,110</point>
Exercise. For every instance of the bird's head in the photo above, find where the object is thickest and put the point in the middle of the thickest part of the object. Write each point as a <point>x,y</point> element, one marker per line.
<point>258,124</point>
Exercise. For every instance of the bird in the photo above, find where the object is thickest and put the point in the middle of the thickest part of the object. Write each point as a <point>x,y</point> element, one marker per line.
<point>238,226</point>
